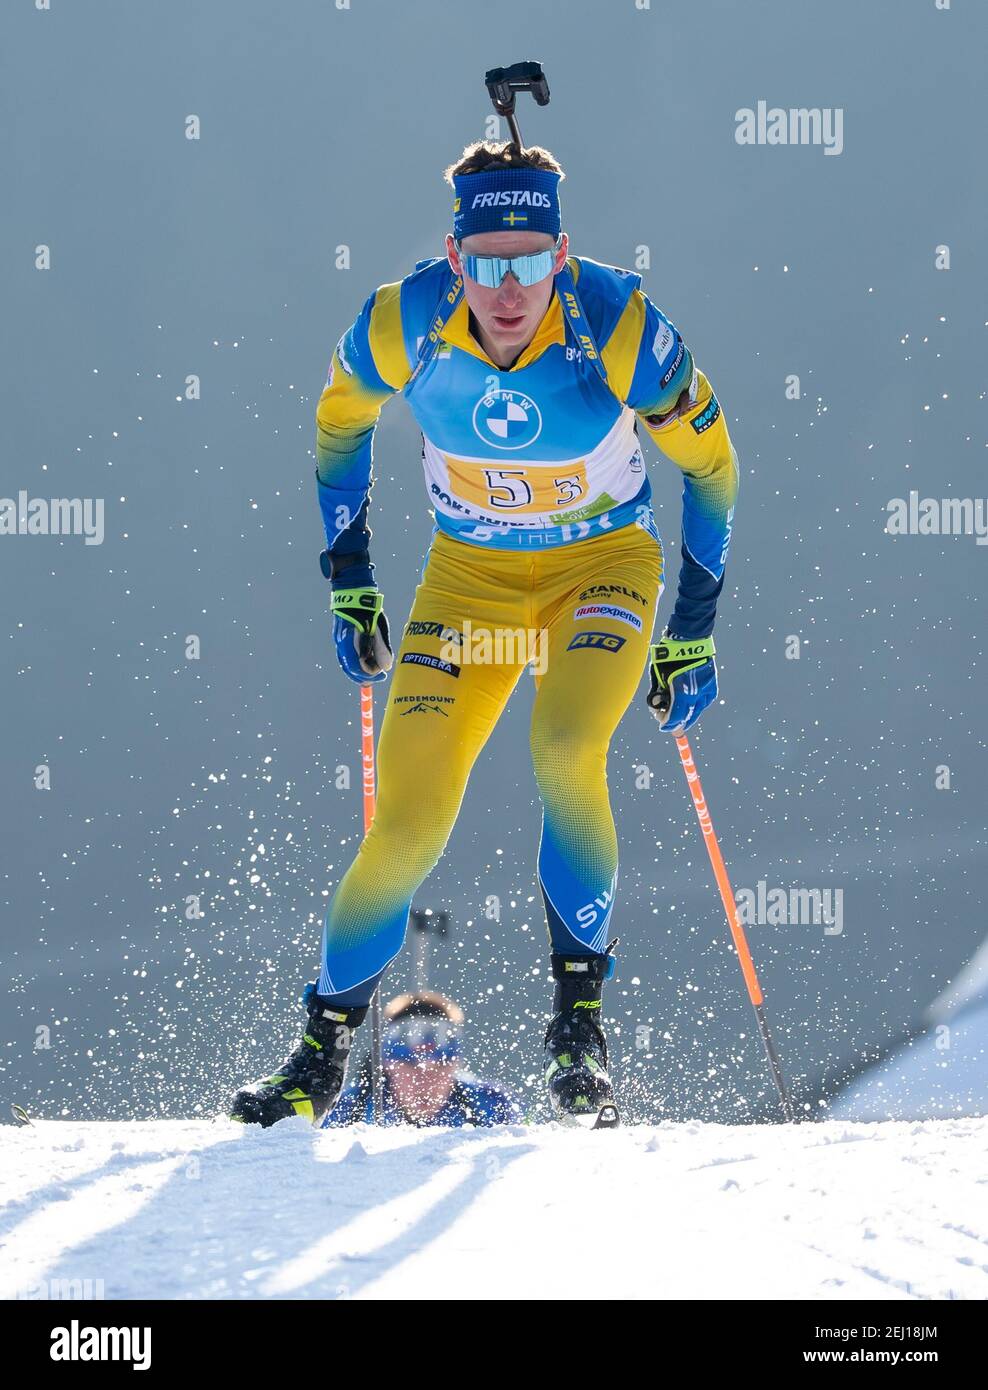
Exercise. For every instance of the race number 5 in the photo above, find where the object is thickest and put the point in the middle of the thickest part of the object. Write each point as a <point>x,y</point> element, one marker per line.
<point>507,487</point>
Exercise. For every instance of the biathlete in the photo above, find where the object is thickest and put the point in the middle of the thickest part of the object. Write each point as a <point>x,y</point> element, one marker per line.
<point>529,372</point>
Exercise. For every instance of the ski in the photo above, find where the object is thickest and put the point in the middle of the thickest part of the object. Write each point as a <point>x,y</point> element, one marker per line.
<point>21,1115</point>
<point>607,1117</point>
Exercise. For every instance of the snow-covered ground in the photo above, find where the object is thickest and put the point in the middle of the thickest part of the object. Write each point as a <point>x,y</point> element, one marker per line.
<point>210,1210</point>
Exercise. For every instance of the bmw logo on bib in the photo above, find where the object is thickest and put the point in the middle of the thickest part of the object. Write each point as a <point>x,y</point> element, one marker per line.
<point>507,419</point>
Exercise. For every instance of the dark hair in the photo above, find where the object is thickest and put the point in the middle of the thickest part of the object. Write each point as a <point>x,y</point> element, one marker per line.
<point>427,1003</point>
<point>502,154</point>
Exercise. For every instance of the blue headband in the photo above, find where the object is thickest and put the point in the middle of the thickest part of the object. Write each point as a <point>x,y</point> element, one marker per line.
<point>506,200</point>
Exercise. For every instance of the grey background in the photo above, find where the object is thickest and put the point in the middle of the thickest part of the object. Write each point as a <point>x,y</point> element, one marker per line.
<point>216,257</point>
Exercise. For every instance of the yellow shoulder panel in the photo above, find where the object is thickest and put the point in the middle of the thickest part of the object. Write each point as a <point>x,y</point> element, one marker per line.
<point>387,342</point>
<point>621,353</point>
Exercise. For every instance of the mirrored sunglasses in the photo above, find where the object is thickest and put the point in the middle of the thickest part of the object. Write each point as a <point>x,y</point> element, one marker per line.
<point>490,271</point>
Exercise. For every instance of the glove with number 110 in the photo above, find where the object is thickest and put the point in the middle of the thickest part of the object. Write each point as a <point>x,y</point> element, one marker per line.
<point>684,681</point>
<point>360,631</point>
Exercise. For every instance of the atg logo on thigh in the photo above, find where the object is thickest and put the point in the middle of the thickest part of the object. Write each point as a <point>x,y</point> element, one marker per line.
<point>597,641</point>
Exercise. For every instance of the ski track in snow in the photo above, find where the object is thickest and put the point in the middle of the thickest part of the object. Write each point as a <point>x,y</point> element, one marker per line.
<point>198,1209</point>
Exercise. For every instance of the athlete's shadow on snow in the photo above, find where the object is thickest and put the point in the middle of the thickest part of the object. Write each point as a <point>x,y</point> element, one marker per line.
<point>347,1278</point>
<point>18,1209</point>
<point>235,1216</point>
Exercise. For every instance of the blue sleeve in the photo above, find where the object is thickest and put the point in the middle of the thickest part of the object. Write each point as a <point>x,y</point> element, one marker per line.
<point>490,1105</point>
<point>664,368</point>
<point>346,419</point>
<point>346,1111</point>
<point>695,437</point>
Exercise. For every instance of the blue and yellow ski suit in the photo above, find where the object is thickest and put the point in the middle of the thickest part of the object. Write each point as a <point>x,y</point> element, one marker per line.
<point>544,549</point>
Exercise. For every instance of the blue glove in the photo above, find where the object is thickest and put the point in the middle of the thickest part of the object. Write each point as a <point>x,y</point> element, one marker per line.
<point>684,681</point>
<point>360,631</point>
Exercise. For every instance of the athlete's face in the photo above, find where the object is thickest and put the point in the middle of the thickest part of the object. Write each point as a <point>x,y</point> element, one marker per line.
<point>421,1088</point>
<point>507,316</point>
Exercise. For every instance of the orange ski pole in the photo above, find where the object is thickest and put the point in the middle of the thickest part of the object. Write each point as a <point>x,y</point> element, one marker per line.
<point>370,796</point>
<point>733,920</point>
<point>367,751</point>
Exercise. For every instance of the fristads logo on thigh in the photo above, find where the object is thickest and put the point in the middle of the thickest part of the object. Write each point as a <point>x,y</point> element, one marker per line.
<point>446,633</point>
<point>507,419</point>
<point>597,641</point>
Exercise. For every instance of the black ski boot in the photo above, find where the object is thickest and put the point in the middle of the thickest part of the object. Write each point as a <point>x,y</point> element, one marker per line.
<point>575,1058</point>
<point>310,1082</point>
